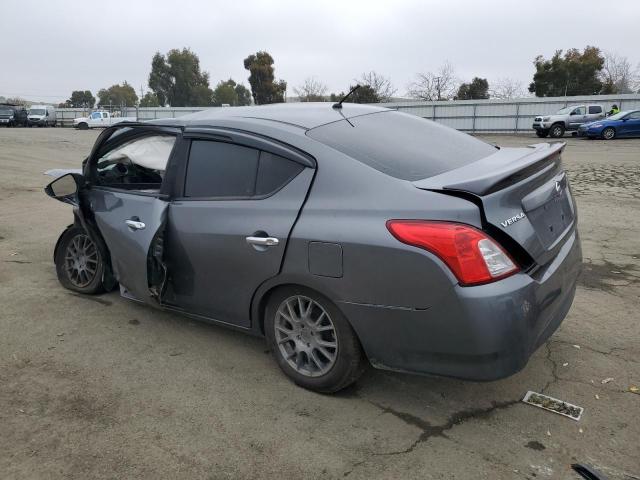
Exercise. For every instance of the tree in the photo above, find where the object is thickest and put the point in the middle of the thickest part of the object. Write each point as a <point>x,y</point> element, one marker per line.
<point>120,95</point>
<point>264,88</point>
<point>506,88</point>
<point>574,73</point>
<point>439,85</point>
<point>231,93</point>
<point>311,90</point>
<point>176,79</point>
<point>149,99</point>
<point>81,99</point>
<point>364,94</point>
<point>380,85</point>
<point>477,89</point>
<point>617,75</point>
<point>17,101</point>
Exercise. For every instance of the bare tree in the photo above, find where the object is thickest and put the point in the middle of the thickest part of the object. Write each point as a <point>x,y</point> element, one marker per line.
<point>439,85</point>
<point>505,88</point>
<point>311,90</point>
<point>618,75</point>
<point>380,84</point>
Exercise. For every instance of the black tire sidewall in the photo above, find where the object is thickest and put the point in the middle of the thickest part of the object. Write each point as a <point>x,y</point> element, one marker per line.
<point>350,362</point>
<point>96,284</point>
<point>553,128</point>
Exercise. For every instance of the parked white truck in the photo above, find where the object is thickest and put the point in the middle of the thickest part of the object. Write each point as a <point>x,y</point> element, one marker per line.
<point>99,119</point>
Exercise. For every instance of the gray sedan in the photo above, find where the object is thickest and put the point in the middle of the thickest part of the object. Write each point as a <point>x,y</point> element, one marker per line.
<point>347,235</point>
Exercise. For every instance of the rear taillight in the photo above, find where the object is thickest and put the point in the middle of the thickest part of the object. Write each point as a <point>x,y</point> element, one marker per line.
<point>471,255</point>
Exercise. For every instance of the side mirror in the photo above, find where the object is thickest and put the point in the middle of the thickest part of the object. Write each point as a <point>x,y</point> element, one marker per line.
<point>65,188</point>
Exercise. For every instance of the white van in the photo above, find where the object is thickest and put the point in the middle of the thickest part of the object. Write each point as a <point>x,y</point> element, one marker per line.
<point>42,116</point>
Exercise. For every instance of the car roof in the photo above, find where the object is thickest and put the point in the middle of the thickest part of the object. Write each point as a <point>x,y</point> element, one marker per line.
<point>305,115</point>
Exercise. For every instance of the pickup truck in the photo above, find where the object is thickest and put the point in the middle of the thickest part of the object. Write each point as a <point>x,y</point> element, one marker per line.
<point>568,118</point>
<point>99,119</point>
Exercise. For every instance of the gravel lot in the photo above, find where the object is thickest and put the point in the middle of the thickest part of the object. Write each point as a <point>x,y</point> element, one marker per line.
<point>99,387</point>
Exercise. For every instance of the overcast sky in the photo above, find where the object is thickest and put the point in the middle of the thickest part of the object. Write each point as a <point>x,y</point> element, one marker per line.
<point>50,48</point>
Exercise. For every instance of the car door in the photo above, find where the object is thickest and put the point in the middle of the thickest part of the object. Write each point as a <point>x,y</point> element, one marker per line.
<point>594,112</point>
<point>630,126</point>
<point>228,230</point>
<point>577,116</point>
<point>128,205</point>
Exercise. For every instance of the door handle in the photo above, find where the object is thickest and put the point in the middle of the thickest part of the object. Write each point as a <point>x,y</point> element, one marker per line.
<point>263,241</point>
<point>135,225</point>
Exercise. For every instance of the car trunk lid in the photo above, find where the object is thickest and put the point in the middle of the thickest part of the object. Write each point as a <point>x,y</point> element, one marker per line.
<point>523,192</point>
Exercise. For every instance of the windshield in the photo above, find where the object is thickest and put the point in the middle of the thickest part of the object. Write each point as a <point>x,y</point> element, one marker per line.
<point>565,110</point>
<point>618,116</point>
<point>37,111</point>
<point>6,111</point>
<point>403,146</point>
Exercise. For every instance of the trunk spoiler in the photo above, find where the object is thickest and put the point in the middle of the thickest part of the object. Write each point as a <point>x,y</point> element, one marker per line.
<point>505,167</point>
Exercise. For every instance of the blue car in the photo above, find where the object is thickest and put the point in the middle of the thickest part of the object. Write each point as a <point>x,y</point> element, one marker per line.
<point>623,124</point>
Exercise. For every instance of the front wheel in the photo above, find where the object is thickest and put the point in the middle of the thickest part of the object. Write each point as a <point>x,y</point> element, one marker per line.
<point>79,264</point>
<point>557,131</point>
<point>609,133</point>
<point>312,342</point>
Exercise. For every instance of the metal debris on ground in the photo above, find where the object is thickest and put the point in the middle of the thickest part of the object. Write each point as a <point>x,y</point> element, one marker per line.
<point>607,380</point>
<point>634,389</point>
<point>553,405</point>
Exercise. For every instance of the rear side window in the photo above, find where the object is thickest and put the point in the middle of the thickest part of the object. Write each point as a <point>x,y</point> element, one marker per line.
<point>595,109</point>
<point>218,169</point>
<point>274,172</point>
<point>401,145</point>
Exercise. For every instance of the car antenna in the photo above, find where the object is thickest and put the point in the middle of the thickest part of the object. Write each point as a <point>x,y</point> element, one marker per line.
<point>339,104</point>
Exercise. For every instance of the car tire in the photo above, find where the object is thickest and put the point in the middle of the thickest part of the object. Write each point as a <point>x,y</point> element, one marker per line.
<point>79,263</point>
<point>556,131</point>
<point>542,133</point>
<point>297,320</point>
<point>609,133</point>
<point>83,126</point>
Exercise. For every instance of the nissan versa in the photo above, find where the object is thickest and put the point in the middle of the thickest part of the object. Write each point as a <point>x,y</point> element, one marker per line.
<point>343,234</point>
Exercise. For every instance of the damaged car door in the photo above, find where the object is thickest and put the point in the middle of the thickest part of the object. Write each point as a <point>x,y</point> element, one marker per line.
<point>237,200</point>
<point>129,206</point>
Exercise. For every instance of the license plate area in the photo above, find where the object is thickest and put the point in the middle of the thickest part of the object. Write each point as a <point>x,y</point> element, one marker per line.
<point>552,218</point>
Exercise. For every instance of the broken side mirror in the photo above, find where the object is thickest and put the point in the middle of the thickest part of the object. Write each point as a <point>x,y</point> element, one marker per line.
<point>65,188</point>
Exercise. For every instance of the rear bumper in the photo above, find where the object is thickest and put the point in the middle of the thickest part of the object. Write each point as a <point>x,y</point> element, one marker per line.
<point>483,333</point>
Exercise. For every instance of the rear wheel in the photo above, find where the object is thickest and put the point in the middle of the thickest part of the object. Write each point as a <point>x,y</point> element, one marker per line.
<point>609,133</point>
<point>542,133</point>
<point>312,341</point>
<point>79,264</point>
<point>557,130</point>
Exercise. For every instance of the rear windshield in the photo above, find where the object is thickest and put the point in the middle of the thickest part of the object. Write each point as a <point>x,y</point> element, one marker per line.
<point>401,145</point>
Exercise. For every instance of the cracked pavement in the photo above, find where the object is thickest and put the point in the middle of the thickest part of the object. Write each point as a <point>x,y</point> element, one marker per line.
<point>99,387</point>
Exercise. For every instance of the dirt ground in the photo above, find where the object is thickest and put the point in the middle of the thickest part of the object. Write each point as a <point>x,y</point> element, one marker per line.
<point>99,387</point>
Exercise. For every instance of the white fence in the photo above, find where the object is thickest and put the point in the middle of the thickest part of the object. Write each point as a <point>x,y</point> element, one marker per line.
<point>480,116</point>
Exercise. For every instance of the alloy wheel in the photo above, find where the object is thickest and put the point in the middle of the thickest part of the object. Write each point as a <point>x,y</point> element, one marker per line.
<point>81,261</point>
<point>608,133</point>
<point>306,336</point>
